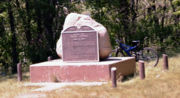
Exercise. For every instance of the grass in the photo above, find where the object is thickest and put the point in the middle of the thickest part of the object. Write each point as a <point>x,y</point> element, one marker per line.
<point>157,84</point>
<point>9,87</point>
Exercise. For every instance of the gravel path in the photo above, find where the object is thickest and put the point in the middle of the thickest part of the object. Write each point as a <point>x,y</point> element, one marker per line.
<point>31,95</point>
<point>53,86</point>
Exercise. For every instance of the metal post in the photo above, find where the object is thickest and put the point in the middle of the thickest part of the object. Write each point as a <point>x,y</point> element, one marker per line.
<point>165,62</point>
<point>141,70</point>
<point>113,77</point>
<point>49,58</point>
<point>19,72</point>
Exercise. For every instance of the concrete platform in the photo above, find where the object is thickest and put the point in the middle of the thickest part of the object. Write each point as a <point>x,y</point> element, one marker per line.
<point>57,70</point>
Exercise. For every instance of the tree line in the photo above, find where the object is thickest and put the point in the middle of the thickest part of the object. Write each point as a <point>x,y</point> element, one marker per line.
<point>29,29</point>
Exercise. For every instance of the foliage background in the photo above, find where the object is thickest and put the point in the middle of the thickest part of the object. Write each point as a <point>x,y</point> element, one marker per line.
<point>29,29</point>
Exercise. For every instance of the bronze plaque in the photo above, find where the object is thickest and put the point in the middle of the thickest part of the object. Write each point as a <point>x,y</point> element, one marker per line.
<point>80,46</point>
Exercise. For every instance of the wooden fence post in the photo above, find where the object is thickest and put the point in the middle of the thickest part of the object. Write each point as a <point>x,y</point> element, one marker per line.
<point>113,77</point>
<point>141,70</point>
<point>19,72</point>
<point>165,62</point>
<point>49,58</point>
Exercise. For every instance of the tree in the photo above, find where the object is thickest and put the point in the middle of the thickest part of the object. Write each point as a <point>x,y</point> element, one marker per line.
<point>14,39</point>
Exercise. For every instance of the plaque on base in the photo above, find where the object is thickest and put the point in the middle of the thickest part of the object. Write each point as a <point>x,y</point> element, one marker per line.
<point>80,45</point>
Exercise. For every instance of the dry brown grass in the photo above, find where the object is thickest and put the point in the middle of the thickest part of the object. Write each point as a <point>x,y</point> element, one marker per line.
<point>10,88</point>
<point>158,84</point>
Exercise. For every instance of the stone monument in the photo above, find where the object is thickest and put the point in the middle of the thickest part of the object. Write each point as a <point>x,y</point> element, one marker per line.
<point>83,42</point>
<point>79,20</point>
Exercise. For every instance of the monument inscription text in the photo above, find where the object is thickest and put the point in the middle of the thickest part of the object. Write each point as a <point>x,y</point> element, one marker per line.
<point>80,46</point>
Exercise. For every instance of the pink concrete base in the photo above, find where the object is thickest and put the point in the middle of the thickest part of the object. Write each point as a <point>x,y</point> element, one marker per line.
<point>82,71</point>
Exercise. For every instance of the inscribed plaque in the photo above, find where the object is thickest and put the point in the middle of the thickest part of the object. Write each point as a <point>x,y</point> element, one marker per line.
<point>80,46</point>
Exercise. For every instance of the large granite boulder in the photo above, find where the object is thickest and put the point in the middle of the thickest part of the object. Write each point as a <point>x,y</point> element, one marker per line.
<point>78,20</point>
